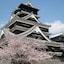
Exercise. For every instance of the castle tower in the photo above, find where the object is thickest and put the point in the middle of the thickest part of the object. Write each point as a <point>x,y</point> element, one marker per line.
<point>24,20</point>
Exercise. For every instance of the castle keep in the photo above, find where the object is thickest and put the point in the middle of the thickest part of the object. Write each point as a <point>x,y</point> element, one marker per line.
<point>24,23</point>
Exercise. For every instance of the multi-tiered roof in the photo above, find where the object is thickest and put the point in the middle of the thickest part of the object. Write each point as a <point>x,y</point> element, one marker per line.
<point>24,21</point>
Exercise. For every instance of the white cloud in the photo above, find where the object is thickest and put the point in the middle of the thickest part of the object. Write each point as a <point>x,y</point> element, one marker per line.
<point>56,27</point>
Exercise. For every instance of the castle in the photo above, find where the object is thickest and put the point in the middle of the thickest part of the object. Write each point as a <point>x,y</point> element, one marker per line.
<point>25,22</point>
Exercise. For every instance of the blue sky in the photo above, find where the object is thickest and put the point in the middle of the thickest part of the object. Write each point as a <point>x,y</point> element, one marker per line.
<point>51,11</point>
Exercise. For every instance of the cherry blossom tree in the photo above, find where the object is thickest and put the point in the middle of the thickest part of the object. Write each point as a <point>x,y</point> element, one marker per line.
<point>18,49</point>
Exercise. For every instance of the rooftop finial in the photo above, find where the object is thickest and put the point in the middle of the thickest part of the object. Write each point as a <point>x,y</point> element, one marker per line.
<point>29,3</point>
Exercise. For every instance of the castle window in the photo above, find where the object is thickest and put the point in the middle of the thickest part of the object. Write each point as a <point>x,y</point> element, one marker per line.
<point>22,15</point>
<point>18,31</point>
<point>23,24</point>
<point>44,29</point>
<point>20,24</point>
